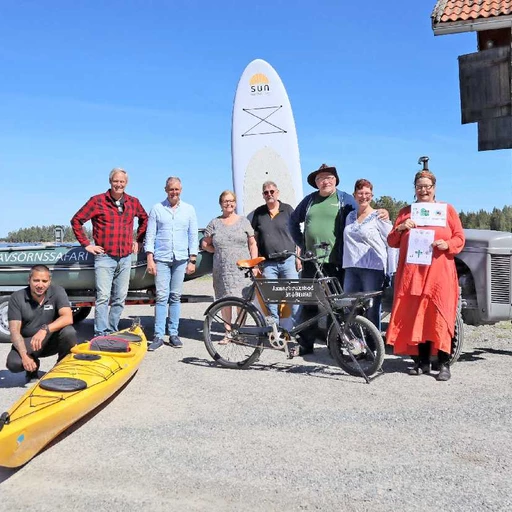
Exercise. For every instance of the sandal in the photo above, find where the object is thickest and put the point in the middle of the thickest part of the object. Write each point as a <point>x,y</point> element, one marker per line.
<point>226,340</point>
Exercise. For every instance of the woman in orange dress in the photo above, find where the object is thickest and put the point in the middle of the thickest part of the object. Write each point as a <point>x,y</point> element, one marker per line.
<point>426,295</point>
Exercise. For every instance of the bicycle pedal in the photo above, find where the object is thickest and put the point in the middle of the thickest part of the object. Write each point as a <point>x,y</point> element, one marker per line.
<point>270,320</point>
<point>290,354</point>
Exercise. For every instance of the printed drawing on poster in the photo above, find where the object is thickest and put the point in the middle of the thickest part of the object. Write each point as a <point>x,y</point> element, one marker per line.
<point>419,250</point>
<point>429,214</point>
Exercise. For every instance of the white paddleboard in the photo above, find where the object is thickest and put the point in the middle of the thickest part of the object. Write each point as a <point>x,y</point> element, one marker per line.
<point>263,139</point>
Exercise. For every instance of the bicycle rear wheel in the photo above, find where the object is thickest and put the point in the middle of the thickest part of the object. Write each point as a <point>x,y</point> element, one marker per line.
<point>240,350</point>
<point>363,340</point>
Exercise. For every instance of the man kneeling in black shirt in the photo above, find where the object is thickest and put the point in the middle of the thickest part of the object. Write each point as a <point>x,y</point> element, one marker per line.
<point>41,323</point>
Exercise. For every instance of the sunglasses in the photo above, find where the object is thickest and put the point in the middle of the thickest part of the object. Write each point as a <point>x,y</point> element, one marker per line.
<point>120,206</point>
<point>269,192</point>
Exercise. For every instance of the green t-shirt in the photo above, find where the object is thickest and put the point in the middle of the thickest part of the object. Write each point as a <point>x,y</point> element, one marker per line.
<point>320,225</point>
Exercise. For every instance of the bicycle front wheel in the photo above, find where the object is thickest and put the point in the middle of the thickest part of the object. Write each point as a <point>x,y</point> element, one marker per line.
<point>222,337</point>
<point>361,339</point>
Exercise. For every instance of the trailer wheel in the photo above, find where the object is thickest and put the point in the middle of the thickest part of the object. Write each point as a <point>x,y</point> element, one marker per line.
<point>80,314</point>
<point>5,334</point>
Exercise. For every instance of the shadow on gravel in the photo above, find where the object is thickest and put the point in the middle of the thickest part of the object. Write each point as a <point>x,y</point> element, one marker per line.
<point>466,357</point>
<point>320,371</point>
<point>16,380</point>
<point>396,365</point>
<point>473,356</point>
<point>498,351</point>
<point>191,328</point>
<point>6,473</point>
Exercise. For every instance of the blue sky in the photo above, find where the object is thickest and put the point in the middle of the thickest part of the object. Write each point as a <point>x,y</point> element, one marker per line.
<point>149,86</point>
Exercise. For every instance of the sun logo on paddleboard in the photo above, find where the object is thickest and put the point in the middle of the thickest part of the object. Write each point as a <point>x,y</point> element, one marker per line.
<point>259,84</point>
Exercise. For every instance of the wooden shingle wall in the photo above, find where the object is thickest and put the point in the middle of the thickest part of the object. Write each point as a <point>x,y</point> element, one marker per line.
<point>485,80</point>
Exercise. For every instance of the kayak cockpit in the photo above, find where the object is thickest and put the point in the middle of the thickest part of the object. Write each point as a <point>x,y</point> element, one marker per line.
<point>65,384</point>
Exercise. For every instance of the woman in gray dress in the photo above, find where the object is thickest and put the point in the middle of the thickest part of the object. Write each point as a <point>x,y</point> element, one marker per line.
<point>230,238</point>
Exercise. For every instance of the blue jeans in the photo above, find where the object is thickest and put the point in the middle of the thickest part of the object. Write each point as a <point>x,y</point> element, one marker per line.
<point>366,280</point>
<point>112,280</point>
<point>169,284</point>
<point>280,269</point>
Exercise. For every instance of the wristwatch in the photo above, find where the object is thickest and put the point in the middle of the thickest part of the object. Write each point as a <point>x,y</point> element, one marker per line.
<point>46,328</point>
<point>192,261</point>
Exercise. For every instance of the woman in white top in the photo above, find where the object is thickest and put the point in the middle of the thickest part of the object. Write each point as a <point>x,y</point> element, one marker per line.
<point>365,250</point>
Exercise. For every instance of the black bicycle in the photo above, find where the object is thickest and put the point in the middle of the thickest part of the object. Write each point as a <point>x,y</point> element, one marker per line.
<point>236,331</point>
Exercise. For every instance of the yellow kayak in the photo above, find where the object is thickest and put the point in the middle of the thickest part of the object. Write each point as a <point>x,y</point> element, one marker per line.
<point>82,381</point>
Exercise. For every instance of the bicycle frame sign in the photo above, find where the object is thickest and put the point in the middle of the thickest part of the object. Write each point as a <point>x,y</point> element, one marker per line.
<point>291,291</point>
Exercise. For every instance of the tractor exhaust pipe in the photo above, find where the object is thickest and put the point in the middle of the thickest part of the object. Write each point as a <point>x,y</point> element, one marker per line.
<point>424,160</point>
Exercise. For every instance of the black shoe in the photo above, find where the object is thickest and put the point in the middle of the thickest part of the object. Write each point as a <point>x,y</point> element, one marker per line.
<point>420,369</point>
<point>444,373</point>
<point>32,376</point>
<point>155,344</point>
<point>174,341</point>
<point>302,351</point>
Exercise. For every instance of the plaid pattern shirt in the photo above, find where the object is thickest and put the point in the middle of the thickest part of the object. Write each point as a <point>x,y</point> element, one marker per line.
<point>112,225</point>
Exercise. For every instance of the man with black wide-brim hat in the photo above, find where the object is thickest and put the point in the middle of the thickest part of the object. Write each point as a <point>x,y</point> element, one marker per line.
<point>323,213</point>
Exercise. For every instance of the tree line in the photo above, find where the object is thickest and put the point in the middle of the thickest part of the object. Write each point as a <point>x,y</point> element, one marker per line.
<point>42,234</point>
<point>497,220</point>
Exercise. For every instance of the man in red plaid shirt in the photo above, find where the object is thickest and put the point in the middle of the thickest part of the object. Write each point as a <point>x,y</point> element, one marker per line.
<point>112,215</point>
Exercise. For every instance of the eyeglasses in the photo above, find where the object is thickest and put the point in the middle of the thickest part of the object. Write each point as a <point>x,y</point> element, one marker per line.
<point>269,192</point>
<point>229,201</point>
<point>120,206</point>
<point>426,187</point>
<point>325,178</point>
<point>364,194</point>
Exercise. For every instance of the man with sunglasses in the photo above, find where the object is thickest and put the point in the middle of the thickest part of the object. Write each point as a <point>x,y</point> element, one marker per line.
<point>270,224</point>
<point>112,215</point>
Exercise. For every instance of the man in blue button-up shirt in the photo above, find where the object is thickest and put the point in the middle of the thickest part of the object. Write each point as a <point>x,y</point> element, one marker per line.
<point>171,246</point>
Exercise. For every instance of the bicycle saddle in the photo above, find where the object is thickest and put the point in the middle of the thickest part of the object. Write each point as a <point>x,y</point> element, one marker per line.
<point>250,263</point>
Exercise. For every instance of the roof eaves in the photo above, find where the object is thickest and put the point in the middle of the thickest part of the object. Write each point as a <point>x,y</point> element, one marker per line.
<point>438,11</point>
<point>473,25</point>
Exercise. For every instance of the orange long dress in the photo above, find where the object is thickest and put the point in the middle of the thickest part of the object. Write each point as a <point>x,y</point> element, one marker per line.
<point>425,296</point>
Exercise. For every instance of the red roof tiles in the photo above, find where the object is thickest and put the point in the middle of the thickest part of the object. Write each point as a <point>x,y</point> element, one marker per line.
<point>447,11</point>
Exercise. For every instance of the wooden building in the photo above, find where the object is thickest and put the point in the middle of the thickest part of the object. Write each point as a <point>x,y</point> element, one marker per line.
<point>485,76</point>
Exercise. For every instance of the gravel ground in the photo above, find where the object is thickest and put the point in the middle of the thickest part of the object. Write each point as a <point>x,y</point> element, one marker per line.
<point>283,435</point>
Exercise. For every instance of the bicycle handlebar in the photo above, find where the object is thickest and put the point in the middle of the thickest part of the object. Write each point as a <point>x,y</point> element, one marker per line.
<point>308,255</point>
<point>285,254</point>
